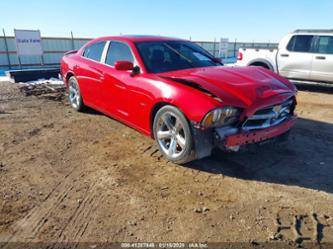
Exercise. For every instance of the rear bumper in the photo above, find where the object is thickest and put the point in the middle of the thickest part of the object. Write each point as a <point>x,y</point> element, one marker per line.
<point>249,137</point>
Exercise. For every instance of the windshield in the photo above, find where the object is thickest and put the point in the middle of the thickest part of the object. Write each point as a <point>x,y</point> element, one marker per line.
<point>165,56</point>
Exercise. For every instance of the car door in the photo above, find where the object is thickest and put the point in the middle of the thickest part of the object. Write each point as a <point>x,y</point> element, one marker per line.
<point>114,94</point>
<point>89,74</point>
<point>322,66</point>
<point>295,60</point>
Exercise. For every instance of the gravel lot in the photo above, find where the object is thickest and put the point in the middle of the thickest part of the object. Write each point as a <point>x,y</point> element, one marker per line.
<point>68,176</point>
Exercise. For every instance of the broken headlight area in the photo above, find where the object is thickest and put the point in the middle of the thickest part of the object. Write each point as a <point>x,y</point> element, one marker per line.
<point>221,117</point>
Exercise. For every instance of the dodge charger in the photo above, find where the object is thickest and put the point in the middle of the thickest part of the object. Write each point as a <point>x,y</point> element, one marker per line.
<point>179,94</point>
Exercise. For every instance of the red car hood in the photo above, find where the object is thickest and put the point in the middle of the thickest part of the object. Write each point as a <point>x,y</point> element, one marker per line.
<point>245,84</point>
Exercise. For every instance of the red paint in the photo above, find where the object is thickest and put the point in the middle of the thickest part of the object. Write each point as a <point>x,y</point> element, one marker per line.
<point>260,135</point>
<point>131,98</point>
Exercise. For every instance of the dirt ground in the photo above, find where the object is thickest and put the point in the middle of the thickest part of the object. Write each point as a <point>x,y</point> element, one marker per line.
<point>68,176</point>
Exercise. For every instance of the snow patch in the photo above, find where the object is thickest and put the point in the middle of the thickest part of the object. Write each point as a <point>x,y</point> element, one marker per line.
<point>4,79</point>
<point>51,81</point>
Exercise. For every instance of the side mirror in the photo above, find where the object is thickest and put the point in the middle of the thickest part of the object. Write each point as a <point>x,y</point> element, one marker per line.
<point>123,65</point>
<point>136,70</point>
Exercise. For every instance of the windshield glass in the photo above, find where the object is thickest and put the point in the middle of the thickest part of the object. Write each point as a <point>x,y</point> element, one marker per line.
<point>165,56</point>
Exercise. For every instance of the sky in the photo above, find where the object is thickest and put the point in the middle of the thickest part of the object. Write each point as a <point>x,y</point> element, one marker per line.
<point>204,20</point>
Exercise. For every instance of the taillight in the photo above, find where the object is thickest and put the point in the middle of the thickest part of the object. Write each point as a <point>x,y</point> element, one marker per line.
<point>240,56</point>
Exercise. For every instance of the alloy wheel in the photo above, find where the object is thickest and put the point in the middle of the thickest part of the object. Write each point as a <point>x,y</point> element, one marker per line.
<point>74,96</point>
<point>171,135</point>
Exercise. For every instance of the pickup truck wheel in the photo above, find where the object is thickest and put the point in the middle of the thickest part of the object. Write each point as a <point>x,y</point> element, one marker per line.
<point>74,95</point>
<point>173,135</point>
<point>261,64</point>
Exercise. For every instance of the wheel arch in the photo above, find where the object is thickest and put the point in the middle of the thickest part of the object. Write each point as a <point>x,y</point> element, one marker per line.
<point>68,75</point>
<point>156,107</point>
<point>261,62</point>
<point>202,143</point>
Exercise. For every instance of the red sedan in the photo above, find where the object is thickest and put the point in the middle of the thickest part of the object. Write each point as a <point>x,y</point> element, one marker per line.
<point>176,92</point>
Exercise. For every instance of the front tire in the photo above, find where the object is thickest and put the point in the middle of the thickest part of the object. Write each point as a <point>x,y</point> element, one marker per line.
<point>74,95</point>
<point>173,135</point>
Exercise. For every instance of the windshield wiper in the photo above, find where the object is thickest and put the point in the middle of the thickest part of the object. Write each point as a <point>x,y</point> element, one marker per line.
<point>177,52</point>
<point>202,53</point>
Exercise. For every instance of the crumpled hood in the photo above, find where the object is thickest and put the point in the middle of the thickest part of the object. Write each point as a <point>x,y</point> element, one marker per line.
<point>246,84</point>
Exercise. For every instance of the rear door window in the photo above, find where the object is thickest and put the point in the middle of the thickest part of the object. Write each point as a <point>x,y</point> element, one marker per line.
<point>300,43</point>
<point>94,51</point>
<point>118,51</point>
<point>325,45</point>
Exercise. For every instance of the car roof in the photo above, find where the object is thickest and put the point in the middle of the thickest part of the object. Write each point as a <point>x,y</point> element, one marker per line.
<point>139,38</point>
<point>313,32</point>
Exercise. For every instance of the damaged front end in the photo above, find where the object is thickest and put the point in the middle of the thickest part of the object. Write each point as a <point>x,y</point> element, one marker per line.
<point>232,139</point>
<point>265,124</point>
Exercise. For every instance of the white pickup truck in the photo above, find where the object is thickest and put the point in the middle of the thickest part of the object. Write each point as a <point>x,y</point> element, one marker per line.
<point>304,55</point>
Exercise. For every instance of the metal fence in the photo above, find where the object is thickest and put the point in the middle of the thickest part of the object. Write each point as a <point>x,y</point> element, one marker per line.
<point>55,47</point>
<point>233,47</point>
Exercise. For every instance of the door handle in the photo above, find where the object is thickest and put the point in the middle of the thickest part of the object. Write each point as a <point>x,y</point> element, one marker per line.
<point>284,55</point>
<point>320,57</point>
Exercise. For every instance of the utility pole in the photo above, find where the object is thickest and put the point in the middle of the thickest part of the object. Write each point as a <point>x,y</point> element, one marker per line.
<point>72,38</point>
<point>6,47</point>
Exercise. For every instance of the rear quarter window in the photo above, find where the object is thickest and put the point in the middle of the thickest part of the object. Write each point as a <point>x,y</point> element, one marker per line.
<point>94,51</point>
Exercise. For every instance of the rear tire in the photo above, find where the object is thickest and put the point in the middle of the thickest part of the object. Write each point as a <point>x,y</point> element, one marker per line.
<point>173,135</point>
<point>74,95</point>
<point>261,64</point>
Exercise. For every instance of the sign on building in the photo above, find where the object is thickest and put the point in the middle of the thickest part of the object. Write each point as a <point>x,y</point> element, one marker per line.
<point>223,48</point>
<point>28,42</point>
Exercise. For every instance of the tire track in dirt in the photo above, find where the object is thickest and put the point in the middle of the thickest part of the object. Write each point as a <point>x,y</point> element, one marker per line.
<point>28,226</point>
<point>79,221</point>
<point>32,225</point>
